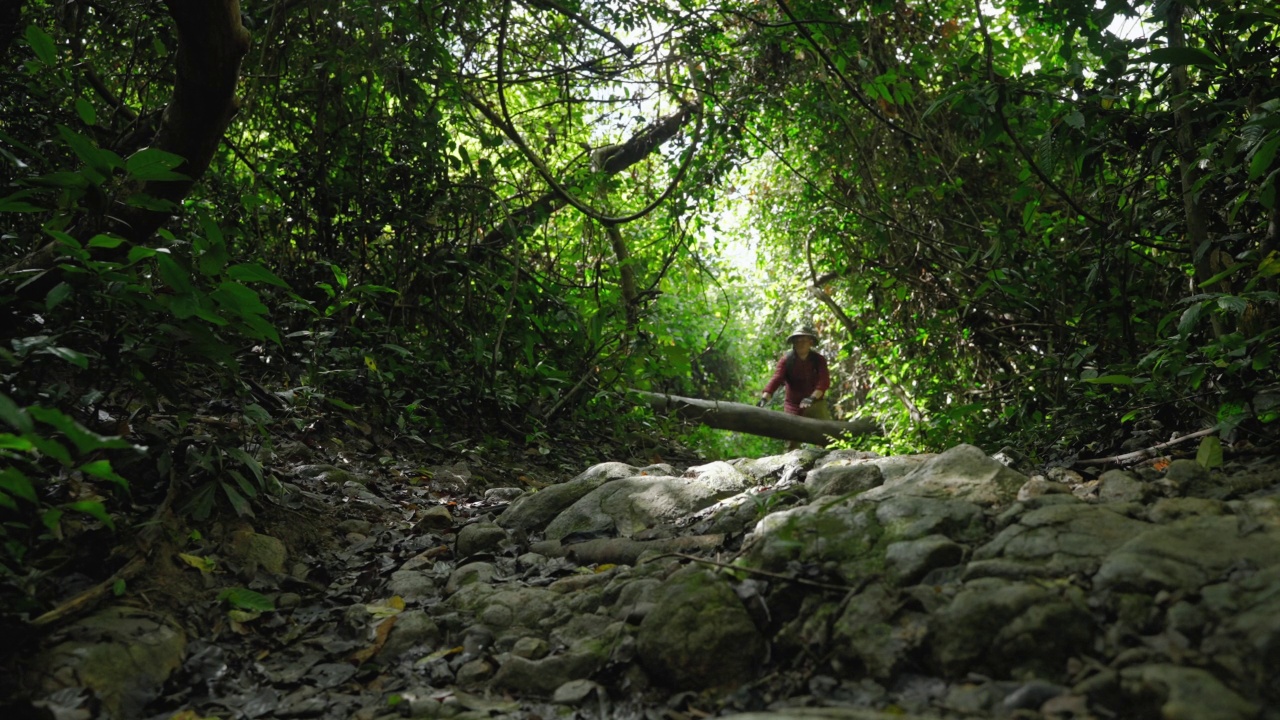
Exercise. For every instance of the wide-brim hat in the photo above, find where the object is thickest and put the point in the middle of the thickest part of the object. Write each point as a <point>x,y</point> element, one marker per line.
<point>803,330</point>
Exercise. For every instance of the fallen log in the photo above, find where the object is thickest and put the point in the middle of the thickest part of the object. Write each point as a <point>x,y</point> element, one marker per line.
<point>757,421</point>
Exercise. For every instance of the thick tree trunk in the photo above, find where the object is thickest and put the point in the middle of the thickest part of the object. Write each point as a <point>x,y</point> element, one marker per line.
<point>757,421</point>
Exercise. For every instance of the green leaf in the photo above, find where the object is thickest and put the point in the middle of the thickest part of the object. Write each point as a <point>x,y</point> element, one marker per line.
<point>1183,56</point>
<point>173,274</point>
<point>118,587</point>
<point>15,483</point>
<point>248,461</point>
<point>238,298</point>
<point>1261,161</point>
<point>9,441</point>
<point>94,508</point>
<point>253,272</point>
<point>86,441</point>
<point>57,295</point>
<point>75,358</point>
<point>1190,316</point>
<point>101,161</point>
<point>17,203</point>
<point>102,469</point>
<point>16,417</point>
<point>52,519</point>
<point>238,501</point>
<point>1113,380</point>
<point>42,44</point>
<point>1209,456</point>
<point>246,599</point>
<point>85,110</point>
<point>106,241</point>
<point>154,164</point>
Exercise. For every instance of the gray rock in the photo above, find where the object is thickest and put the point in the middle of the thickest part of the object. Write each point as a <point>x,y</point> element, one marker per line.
<point>908,517</point>
<point>412,628</point>
<point>478,538</point>
<point>1055,541</point>
<point>842,479</point>
<point>122,655</point>
<point>474,672</point>
<point>590,634</point>
<point>531,648</point>
<point>532,511</point>
<point>578,692</point>
<point>870,632</point>
<point>503,494</point>
<point>998,627</point>
<point>1121,486</point>
<point>255,550</point>
<point>436,517</point>
<point>354,525</point>
<point>1186,693</point>
<point>964,472</point>
<point>1038,487</point>
<point>845,536</point>
<point>634,504</point>
<point>1186,555</point>
<point>1167,510</point>
<point>512,606</point>
<point>469,574</point>
<point>698,634</point>
<point>543,677</point>
<point>908,561</point>
<point>412,585</point>
<point>1189,477</point>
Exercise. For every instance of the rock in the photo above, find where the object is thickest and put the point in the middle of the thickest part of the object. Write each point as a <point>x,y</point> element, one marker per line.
<point>257,551</point>
<point>413,585</point>
<point>846,536</point>
<point>997,627</point>
<point>634,504</point>
<point>699,635</point>
<point>1121,486</point>
<point>578,692</point>
<point>1055,541</point>
<point>1189,477</point>
<point>532,511</point>
<point>122,655</point>
<point>512,606</point>
<point>1038,487</point>
<point>909,518</point>
<point>330,474</point>
<point>910,560</point>
<point>474,673</point>
<point>1247,635</point>
<point>1184,693</point>
<point>412,628</point>
<point>531,648</point>
<point>469,574</point>
<point>868,632</point>
<point>590,634</point>
<point>503,494</point>
<point>964,472</point>
<point>436,517</point>
<point>833,479</point>
<point>354,525</point>
<point>543,677</point>
<point>480,538</point>
<point>1186,554</point>
<point>1169,509</point>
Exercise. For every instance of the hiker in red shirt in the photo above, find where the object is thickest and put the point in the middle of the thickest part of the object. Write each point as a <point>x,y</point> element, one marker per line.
<point>804,370</point>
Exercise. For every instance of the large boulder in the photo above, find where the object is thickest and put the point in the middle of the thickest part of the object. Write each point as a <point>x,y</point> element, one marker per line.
<point>1189,553</point>
<point>964,472</point>
<point>532,511</point>
<point>634,504</point>
<point>1055,541</point>
<point>698,634</point>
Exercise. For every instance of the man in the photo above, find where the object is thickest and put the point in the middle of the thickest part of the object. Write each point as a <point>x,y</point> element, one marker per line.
<point>804,371</point>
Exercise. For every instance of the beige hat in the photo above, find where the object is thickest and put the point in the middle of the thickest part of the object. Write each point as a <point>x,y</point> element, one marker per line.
<point>803,330</point>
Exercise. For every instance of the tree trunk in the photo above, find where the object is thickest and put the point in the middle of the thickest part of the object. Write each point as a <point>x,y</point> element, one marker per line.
<point>211,43</point>
<point>757,421</point>
<point>10,19</point>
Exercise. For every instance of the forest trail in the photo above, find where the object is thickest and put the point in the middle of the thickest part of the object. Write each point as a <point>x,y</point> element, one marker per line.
<point>811,584</point>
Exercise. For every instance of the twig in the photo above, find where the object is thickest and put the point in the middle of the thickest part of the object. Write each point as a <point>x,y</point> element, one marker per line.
<point>766,573</point>
<point>90,597</point>
<point>1147,452</point>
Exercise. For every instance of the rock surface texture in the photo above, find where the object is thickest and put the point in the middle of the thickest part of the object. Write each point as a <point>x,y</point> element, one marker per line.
<point>808,585</point>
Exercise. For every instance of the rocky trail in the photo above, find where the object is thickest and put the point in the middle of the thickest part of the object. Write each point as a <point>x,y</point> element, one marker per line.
<point>815,584</point>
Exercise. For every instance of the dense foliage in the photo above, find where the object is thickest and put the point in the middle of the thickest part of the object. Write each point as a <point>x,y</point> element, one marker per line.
<point>478,222</point>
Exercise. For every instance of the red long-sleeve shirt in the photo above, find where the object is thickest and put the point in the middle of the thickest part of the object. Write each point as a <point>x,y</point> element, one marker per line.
<point>806,377</point>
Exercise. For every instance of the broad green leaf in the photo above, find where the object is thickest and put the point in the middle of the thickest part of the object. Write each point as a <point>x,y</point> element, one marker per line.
<point>238,501</point>
<point>154,164</point>
<point>85,110</point>
<point>16,417</point>
<point>42,45</point>
<point>173,274</point>
<point>52,519</point>
<point>102,469</point>
<point>94,508</point>
<point>253,272</point>
<point>57,295</point>
<point>85,440</point>
<point>106,241</point>
<point>1261,161</point>
<point>248,461</point>
<point>1113,380</point>
<point>72,356</point>
<point>1209,456</point>
<point>15,483</point>
<point>9,441</point>
<point>238,298</point>
<point>246,599</point>
<point>17,203</point>
<point>1183,56</point>
<point>1190,316</point>
<point>99,160</point>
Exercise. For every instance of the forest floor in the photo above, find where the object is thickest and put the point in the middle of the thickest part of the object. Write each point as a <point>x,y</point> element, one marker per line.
<point>561,582</point>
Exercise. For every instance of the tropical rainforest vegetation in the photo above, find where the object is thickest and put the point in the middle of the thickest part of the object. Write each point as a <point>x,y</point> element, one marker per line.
<point>1045,224</point>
